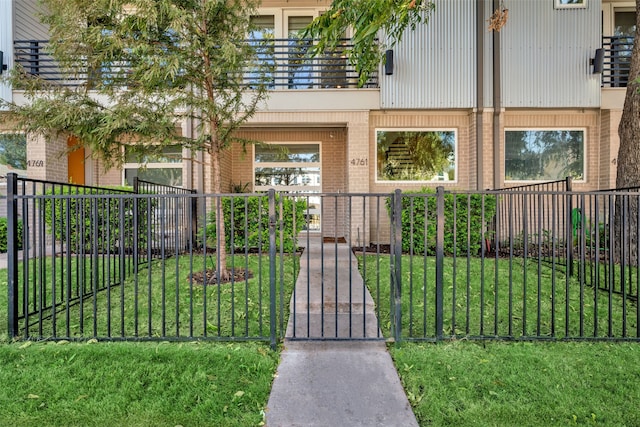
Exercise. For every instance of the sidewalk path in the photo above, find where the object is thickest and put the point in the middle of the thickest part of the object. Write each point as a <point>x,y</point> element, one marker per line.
<point>335,383</point>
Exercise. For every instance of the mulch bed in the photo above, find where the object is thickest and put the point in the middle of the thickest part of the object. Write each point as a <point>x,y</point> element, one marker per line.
<point>240,275</point>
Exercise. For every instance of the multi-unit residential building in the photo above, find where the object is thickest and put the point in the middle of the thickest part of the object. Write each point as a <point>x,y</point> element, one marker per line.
<point>539,100</point>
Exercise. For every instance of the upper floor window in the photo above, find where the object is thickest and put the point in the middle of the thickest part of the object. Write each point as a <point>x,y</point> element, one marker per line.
<point>544,155</point>
<point>416,155</point>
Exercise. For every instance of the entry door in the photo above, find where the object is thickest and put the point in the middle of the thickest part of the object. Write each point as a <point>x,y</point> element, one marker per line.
<point>75,161</point>
<point>292,167</point>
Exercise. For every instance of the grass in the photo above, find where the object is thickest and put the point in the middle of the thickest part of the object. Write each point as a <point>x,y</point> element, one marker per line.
<point>161,300</point>
<point>94,383</point>
<point>464,383</point>
<point>503,298</point>
<point>457,383</point>
<point>135,384</point>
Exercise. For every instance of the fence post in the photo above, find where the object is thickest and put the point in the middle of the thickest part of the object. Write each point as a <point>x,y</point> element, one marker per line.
<point>439,261</point>
<point>272,268</point>
<point>12,253</point>
<point>569,227</point>
<point>396,271</point>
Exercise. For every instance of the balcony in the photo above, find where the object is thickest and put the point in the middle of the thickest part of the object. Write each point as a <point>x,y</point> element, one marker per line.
<point>292,68</point>
<point>617,60</point>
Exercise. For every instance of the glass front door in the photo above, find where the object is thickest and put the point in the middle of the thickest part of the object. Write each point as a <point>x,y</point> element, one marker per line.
<point>291,167</point>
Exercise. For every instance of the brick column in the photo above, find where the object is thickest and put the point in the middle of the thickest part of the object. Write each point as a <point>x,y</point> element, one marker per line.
<point>47,159</point>
<point>359,164</point>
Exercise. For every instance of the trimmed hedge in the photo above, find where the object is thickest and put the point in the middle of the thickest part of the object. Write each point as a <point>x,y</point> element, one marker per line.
<point>87,214</point>
<point>4,234</point>
<point>253,212</point>
<point>468,208</point>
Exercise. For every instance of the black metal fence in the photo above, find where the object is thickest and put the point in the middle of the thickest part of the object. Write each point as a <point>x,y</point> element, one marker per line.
<point>443,265</point>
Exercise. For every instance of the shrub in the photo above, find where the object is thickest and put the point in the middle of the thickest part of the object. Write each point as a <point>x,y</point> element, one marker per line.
<point>4,234</point>
<point>86,215</point>
<point>468,209</point>
<point>253,212</point>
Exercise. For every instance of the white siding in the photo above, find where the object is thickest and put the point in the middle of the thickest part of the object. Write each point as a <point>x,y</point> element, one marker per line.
<point>6,42</point>
<point>435,65</point>
<point>544,57</point>
<point>546,53</point>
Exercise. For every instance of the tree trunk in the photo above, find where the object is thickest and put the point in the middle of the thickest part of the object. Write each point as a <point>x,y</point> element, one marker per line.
<point>221,250</point>
<point>628,161</point>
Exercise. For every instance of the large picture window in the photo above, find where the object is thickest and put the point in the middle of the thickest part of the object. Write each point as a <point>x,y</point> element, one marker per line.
<point>165,167</point>
<point>544,155</point>
<point>416,155</point>
<point>13,153</point>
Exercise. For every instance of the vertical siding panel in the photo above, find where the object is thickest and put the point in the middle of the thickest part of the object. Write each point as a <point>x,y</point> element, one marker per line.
<point>435,63</point>
<point>546,53</point>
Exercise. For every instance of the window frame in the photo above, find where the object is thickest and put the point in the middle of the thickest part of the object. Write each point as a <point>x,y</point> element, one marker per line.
<point>291,188</point>
<point>156,165</point>
<point>426,129</point>
<point>537,181</point>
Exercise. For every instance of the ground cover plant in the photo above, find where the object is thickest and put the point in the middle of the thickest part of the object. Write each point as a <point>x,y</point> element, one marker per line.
<point>464,383</point>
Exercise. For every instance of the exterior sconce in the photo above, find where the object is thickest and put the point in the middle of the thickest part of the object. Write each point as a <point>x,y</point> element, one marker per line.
<point>598,61</point>
<point>388,62</point>
<point>2,66</point>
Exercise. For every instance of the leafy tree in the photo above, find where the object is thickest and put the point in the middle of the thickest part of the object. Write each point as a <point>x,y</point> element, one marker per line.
<point>367,19</point>
<point>138,67</point>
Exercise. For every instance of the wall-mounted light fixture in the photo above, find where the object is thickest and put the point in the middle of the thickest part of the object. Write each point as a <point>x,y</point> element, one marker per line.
<point>598,61</point>
<point>388,62</point>
<point>2,66</point>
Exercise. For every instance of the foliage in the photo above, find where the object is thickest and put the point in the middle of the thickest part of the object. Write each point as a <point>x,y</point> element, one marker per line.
<point>138,68</point>
<point>248,224</point>
<point>4,234</point>
<point>473,213</point>
<point>367,20</point>
<point>103,224</point>
<point>13,150</point>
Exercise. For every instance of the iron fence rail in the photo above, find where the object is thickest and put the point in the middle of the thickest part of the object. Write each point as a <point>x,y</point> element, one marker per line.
<point>423,260</point>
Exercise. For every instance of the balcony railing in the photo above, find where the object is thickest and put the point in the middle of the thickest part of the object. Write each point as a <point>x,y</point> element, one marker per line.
<point>617,60</point>
<point>291,66</point>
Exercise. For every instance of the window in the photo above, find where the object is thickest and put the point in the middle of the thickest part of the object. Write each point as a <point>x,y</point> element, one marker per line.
<point>290,167</point>
<point>416,155</point>
<point>13,154</point>
<point>544,155</point>
<point>165,167</point>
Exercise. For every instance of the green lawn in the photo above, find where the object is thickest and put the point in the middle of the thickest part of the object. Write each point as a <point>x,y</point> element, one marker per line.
<point>457,383</point>
<point>504,298</point>
<point>464,383</point>
<point>160,300</point>
<point>135,384</point>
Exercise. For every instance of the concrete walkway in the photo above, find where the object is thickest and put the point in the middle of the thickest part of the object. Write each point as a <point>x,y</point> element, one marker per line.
<point>335,381</point>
